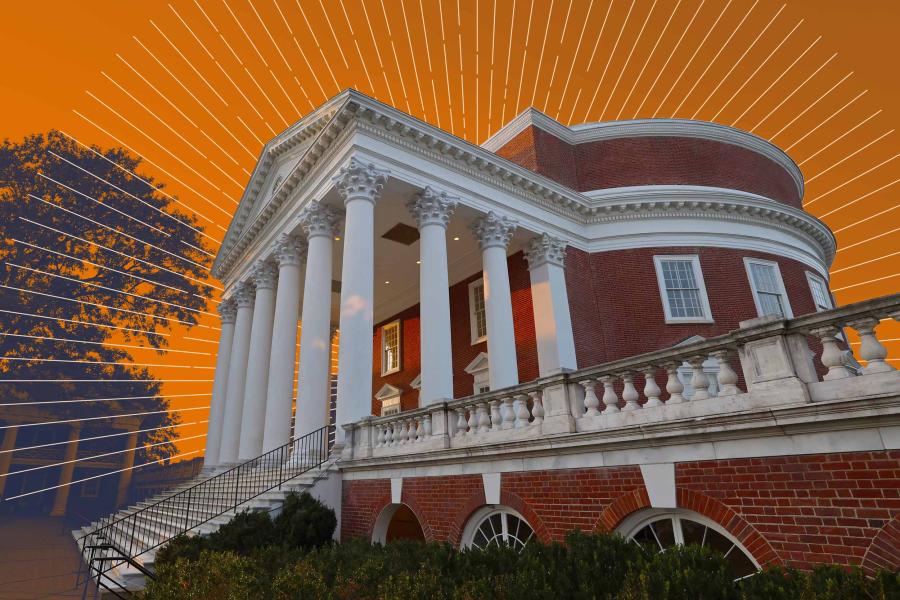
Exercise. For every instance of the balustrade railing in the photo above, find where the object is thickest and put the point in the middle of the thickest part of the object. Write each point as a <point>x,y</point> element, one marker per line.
<point>768,362</point>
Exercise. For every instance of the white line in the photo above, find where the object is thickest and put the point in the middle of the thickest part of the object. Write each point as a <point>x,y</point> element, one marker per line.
<point>862,198</point>
<point>805,110</point>
<point>312,32</point>
<point>121,398</point>
<point>189,63</point>
<point>107,344</point>
<point>868,239</point>
<point>609,60</point>
<point>849,156</point>
<point>412,56</point>
<point>833,115</point>
<point>574,59</point>
<point>820,196</point>
<point>103,437</point>
<point>524,52</point>
<point>628,59</point>
<point>104,417</point>
<point>796,89</point>
<point>847,287</point>
<point>738,61</point>
<point>537,73</point>
<point>132,381</point>
<point>23,314</point>
<point>845,134</point>
<point>853,266</point>
<point>201,340</point>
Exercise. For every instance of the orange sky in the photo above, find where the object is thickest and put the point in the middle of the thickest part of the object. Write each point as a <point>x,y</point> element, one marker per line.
<point>196,87</point>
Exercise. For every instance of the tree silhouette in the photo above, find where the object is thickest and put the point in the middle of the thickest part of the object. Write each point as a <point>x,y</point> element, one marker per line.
<point>94,254</point>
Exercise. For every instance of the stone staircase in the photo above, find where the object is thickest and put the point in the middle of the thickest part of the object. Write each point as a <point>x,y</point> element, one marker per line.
<point>198,506</point>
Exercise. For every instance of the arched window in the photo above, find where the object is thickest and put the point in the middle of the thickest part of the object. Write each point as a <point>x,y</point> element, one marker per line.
<point>658,530</point>
<point>494,525</point>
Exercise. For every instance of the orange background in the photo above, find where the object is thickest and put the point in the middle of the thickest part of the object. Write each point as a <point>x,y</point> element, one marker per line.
<point>196,88</point>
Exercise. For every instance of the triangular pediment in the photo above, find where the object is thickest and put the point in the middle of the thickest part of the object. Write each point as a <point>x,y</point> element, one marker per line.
<point>387,391</point>
<point>416,383</point>
<point>479,364</point>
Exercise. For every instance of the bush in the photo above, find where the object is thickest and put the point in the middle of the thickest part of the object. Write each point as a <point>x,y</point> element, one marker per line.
<point>305,522</point>
<point>825,582</point>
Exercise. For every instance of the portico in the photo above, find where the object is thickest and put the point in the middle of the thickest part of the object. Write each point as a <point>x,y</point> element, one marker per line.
<point>372,245</point>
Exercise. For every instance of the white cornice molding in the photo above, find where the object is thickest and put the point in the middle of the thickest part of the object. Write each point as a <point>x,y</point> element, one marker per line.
<point>609,130</point>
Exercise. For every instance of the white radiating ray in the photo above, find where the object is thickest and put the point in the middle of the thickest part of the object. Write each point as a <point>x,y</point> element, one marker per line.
<point>831,116</point>
<point>876,280</point>
<point>114,230</point>
<point>104,417</point>
<point>103,474</point>
<point>107,344</point>
<point>412,58</point>
<point>777,79</point>
<point>196,339</point>
<point>96,456</point>
<point>867,240</point>
<point>100,362</point>
<point>103,437</point>
<point>840,137</point>
<point>608,60</point>
<point>865,262</point>
<point>99,381</point>
<point>805,110</point>
<point>659,38</point>
<point>312,32</point>
<point>794,91</point>
<point>637,40</point>
<point>102,325</point>
<point>537,73</point>
<point>863,197</point>
<point>524,52</point>
<point>710,62</point>
<point>738,61</point>
<point>847,182</point>
<point>574,59</point>
<point>189,63</point>
<point>849,156</point>
<point>119,399</point>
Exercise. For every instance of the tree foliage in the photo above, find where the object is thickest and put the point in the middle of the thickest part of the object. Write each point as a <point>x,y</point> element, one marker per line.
<point>92,253</point>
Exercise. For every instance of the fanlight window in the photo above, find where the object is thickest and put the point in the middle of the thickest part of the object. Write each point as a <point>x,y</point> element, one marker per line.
<point>500,527</point>
<point>659,531</point>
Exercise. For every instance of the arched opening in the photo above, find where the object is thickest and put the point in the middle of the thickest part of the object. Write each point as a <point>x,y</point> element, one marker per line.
<point>496,525</point>
<point>397,522</point>
<point>657,530</point>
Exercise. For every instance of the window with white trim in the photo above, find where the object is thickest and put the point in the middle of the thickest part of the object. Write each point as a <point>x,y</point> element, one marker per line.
<point>497,526</point>
<point>768,288</point>
<point>477,311</point>
<point>820,294</point>
<point>682,289</point>
<point>390,406</point>
<point>390,348</point>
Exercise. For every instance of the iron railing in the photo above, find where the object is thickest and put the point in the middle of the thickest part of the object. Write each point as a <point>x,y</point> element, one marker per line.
<point>124,539</point>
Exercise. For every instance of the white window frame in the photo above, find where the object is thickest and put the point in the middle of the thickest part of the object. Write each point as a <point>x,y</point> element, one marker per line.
<point>788,312</point>
<point>701,284</point>
<point>813,280</point>
<point>473,322</point>
<point>384,328</point>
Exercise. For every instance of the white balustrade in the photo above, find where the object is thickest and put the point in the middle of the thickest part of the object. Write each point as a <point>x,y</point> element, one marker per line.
<point>651,389</point>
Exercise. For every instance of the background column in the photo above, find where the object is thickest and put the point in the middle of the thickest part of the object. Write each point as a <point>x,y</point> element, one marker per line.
<point>493,233</point>
<point>360,185</point>
<point>253,420</point>
<point>228,314</point>
<point>237,375</point>
<point>65,475</point>
<point>432,210</point>
<point>314,376</point>
<point>127,463</point>
<point>290,251</point>
<point>550,300</point>
<point>9,442</point>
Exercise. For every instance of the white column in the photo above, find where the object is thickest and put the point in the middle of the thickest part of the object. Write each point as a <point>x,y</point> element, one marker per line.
<point>253,420</point>
<point>432,210</point>
<point>493,233</point>
<point>550,300</point>
<point>290,251</point>
<point>314,376</point>
<point>360,185</point>
<point>61,501</point>
<point>237,376</point>
<point>228,314</point>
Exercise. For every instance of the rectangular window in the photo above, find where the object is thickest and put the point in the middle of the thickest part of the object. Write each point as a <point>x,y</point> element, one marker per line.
<point>768,288</point>
<point>390,348</point>
<point>682,289</point>
<point>390,406</point>
<point>819,289</point>
<point>90,488</point>
<point>477,311</point>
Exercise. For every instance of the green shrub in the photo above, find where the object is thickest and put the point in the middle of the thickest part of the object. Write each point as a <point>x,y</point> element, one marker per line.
<point>213,576</point>
<point>182,546</point>
<point>305,522</point>
<point>681,573</point>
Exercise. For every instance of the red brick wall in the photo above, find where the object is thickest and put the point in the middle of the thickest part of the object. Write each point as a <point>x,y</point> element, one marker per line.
<point>617,310</point>
<point>463,349</point>
<point>648,161</point>
<point>796,509</point>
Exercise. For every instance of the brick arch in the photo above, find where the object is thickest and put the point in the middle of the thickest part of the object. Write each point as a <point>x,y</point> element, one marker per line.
<point>417,510</point>
<point>884,551</point>
<point>701,504</point>
<point>510,499</point>
<point>385,502</point>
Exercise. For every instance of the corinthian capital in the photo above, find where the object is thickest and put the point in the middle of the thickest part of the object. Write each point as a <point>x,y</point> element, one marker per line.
<point>319,219</point>
<point>289,249</point>
<point>545,249</point>
<point>359,180</point>
<point>227,310</point>
<point>493,230</point>
<point>244,294</point>
<point>432,207</point>
<point>265,275</point>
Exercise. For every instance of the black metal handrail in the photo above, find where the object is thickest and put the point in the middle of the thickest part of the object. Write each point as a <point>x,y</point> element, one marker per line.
<point>189,508</point>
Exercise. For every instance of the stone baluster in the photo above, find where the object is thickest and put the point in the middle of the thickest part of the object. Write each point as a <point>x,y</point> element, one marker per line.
<point>379,439</point>
<point>523,415</point>
<point>629,392</point>
<point>591,402</point>
<point>651,389</point>
<point>426,426</point>
<point>496,419</point>
<point>673,384</point>
<point>870,349</point>
<point>404,431</point>
<point>461,424</point>
<point>473,419</point>
<point>413,430</point>
<point>420,429</point>
<point>389,434</point>
<point>831,354</point>
<point>537,406</point>
<point>610,398</point>
<point>484,418</point>
<point>507,413</point>
<point>699,379</point>
<point>727,377</point>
